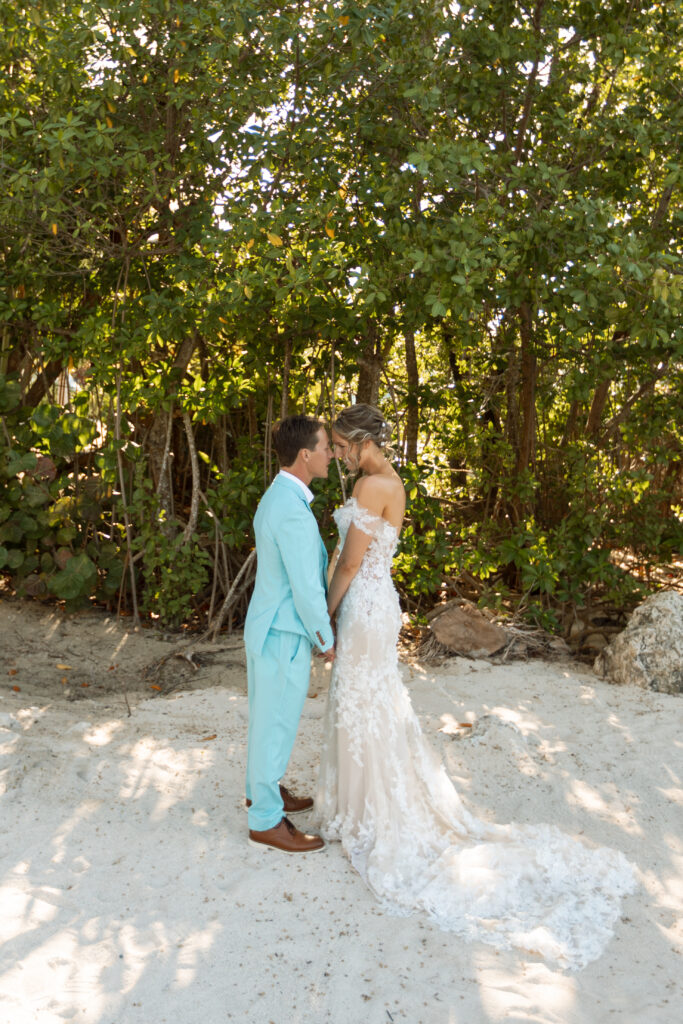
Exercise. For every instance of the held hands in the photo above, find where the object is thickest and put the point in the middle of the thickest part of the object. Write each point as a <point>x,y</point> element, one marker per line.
<point>329,655</point>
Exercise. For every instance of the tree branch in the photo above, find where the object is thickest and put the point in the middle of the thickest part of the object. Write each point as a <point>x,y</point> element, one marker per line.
<point>232,595</point>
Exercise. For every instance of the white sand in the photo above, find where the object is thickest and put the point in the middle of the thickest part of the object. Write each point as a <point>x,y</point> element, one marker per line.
<point>129,894</point>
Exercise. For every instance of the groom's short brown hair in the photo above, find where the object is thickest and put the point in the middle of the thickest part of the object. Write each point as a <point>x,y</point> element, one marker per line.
<point>292,434</point>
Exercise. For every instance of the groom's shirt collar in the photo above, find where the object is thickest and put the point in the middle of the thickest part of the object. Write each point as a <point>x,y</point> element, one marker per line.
<point>307,490</point>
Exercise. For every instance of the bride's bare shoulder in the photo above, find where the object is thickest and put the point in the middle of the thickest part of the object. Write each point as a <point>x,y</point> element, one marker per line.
<point>382,495</point>
<point>368,492</point>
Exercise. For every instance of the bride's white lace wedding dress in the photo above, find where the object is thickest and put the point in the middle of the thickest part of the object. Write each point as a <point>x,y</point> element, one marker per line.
<point>383,792</point>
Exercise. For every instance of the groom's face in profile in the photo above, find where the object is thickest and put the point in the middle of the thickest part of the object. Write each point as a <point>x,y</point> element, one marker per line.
<point>319,457</point>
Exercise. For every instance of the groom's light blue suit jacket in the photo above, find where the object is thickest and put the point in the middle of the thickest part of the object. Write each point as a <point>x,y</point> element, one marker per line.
<point>290,589</point>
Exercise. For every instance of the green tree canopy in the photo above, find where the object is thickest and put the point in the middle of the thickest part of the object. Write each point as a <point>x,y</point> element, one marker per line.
<point>217,213</point>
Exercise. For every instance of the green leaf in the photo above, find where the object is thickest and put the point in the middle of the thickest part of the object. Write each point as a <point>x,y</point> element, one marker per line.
<point>66,534</point>
<point>76,579</point>
<point>20,463</point>
<point>14,558</point>
<point>11,532</point>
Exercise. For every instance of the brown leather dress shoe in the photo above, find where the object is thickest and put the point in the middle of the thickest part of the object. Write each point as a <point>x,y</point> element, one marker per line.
<point>286,838</point>
<point>293,804</point>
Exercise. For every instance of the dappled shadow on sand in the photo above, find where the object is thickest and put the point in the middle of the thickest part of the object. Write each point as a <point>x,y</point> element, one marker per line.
<point>129,892</point>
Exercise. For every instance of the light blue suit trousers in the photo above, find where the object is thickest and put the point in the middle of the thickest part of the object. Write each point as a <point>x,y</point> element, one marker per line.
<point>287,616</point>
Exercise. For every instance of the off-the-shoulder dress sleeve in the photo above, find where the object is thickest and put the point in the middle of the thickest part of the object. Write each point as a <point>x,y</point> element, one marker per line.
<point>364,519</point>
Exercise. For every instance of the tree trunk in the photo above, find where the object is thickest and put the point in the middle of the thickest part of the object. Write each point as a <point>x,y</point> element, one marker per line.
<point>158,441</point>
<point>370,367</point>
<point>252,422</point>
<point>162,481</point>
<point>222,441</point>
<point>191,524</point>
<point>286,371</point>
<point>369,378</point>
<point>527,436</point>
<point>512,377</point>
<point>570,425</point>
<point>412,402</point>
<point>600,396</point>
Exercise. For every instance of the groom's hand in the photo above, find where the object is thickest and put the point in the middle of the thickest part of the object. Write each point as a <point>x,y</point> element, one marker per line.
<point>327,656</point>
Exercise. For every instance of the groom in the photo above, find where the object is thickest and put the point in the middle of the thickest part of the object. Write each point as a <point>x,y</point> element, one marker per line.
<point>287,616</point>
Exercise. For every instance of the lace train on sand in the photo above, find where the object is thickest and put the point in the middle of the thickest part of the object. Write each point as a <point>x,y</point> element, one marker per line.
<point>385,795</point>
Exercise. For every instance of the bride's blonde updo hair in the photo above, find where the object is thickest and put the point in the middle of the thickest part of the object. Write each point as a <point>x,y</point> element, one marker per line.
<point>361,423</point>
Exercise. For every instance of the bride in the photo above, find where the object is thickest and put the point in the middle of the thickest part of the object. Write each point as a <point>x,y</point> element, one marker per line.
<point>383,792</point>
